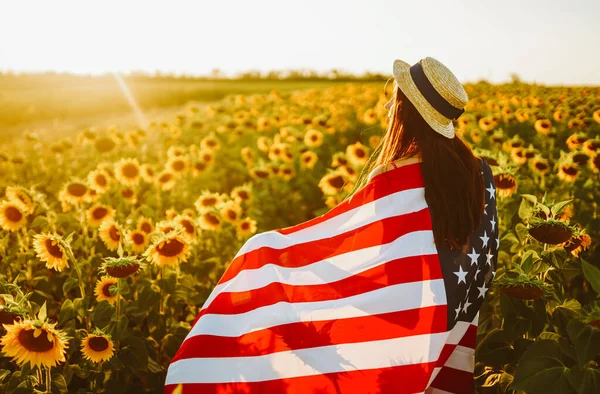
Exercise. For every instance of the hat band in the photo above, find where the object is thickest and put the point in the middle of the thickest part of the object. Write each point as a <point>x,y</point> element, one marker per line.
<point>431,95</point>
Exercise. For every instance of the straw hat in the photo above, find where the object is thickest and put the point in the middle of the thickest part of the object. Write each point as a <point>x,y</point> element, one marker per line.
<point>434,91</point>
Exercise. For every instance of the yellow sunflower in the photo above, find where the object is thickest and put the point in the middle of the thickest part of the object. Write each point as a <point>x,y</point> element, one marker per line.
<point>97,347</point>
<point>369,117</point>
<point>374,141</point>
<point>260,172</point>
<point>110,233</point>
<point>230,211</point>
<point>137,239</point>
<point>198,168</point>
<point>596,115</point>
<point>128,171</point>
<point>102,290</point>
<point>166,226</point>
<point>506,185</point>
<point>350,173</point>
<point>247,154</point>
<point>357,154</point>
<point>210,220</point>
<point>99,180</point>
<point>338,159</point>
<point>246,227</point>
<point>189,226</point>
<point>147,173</point>
<point>39,344</point>
<point>50,250</point>
<point>575,140</point>
<point>539,165</point>
<point>129,195</point>
<point>170,249</point>
<point>105,144</point>
<point>145,224</point>
<point>175,151</point>
<point>210,142</point>
<point>264,143</point>
<point>74,192</point>
<point>558,116</point>
<point>275,151</point>
<point>286,172</point>
<point>12,215</point>
<point>313,138</point>
<point>518,155</point>
<point>21,196</point>
<point>207,156</point>
<point>591,146</point>
<point>242,193</point>
<point>594,162</point>
<point>332,183</point>
<point>568,172</point>
<point>178,165</point>
<point>166,180</point>
<point>308,159</point>
<point>543,126</point>
<point>207,200</point>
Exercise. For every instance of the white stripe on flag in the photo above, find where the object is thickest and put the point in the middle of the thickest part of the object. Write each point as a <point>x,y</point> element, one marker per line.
<point>462,358</point>
<point>416,243</point>
<point>394,298</point>
<point>400,203</point>
<point>415,349</point>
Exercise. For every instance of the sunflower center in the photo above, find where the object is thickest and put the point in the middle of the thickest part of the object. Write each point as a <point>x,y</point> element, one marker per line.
<point>209,202</point>
<point>336,181</point>
<point>594,146</point>
<point>211,218</point>
<point>171,249</point>
<point>98,344</point>
<point>114,233</point>
<point>165,178</point>
<point>101,180</point>
<point>313,137</point>
<point>127,193</point>
<point>77,189</point>
<point>189,228</point>
<point>261,173</point>
<point>243,194</point>
<point>210,143</point>
<point>106,289</point>
<point>540,165</point>
<point>167,229</point>
<point>99,213</point>
<point>207,157</point>
<point>231,214</point>
<point>505,182</point>
<point>138,238</point>
<point>178,165</point>
<point>13,214</point>
<point>359,153</point>
<point>569,170</point>
<point>130,170</point>
<point>53,250</point>
<point>40,344</point>
<point>581,158</point>
<point>200,166</point>
<point>245,225</point>
<point>146,227</point>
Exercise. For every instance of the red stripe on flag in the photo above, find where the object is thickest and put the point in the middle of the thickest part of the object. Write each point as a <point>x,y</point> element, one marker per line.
<point>402,178</point>
<point>394,272</point>
<point>379,232</point>
<point>453,380</point>
<point>393,380</point>
<point>301,335</point>
<point>470,338</point>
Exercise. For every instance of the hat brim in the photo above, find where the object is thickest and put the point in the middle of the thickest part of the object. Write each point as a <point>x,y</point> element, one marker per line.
<point>437,121</point>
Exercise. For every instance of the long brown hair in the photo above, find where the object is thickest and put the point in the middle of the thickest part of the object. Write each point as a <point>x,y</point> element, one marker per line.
<point>451,172</point>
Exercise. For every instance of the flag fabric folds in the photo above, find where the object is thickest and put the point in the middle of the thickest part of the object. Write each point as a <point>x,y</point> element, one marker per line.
<point>357,300</point>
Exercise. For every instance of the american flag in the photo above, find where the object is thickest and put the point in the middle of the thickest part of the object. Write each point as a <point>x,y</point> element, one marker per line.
<point>357,300</point>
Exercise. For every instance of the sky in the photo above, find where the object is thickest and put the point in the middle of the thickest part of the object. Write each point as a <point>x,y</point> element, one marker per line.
<point>551,42</point>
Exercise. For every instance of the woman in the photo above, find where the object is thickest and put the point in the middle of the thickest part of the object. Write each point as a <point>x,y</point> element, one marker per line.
<point>379,295</point>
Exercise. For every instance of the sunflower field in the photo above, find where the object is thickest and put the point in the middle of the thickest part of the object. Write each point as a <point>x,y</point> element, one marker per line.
<point>111,240</point>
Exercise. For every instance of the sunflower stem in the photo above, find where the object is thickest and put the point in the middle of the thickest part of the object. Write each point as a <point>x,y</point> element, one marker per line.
<point>162,275</point>
<point>48,380</point>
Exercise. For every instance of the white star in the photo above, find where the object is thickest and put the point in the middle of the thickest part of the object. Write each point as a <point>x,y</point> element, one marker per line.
<point>485,239</point>
<point>457,310</point>
<point>492,191</point>
<point>462,275</point>
<point>497,242</point>
<point>477,273</point>
<point>493,222</point>
<point>466,306</point>
<point>473,257</point>
<point>489,256</point>
<point>493,274</point>
<point>482,291</point>
<point>484,208</point>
